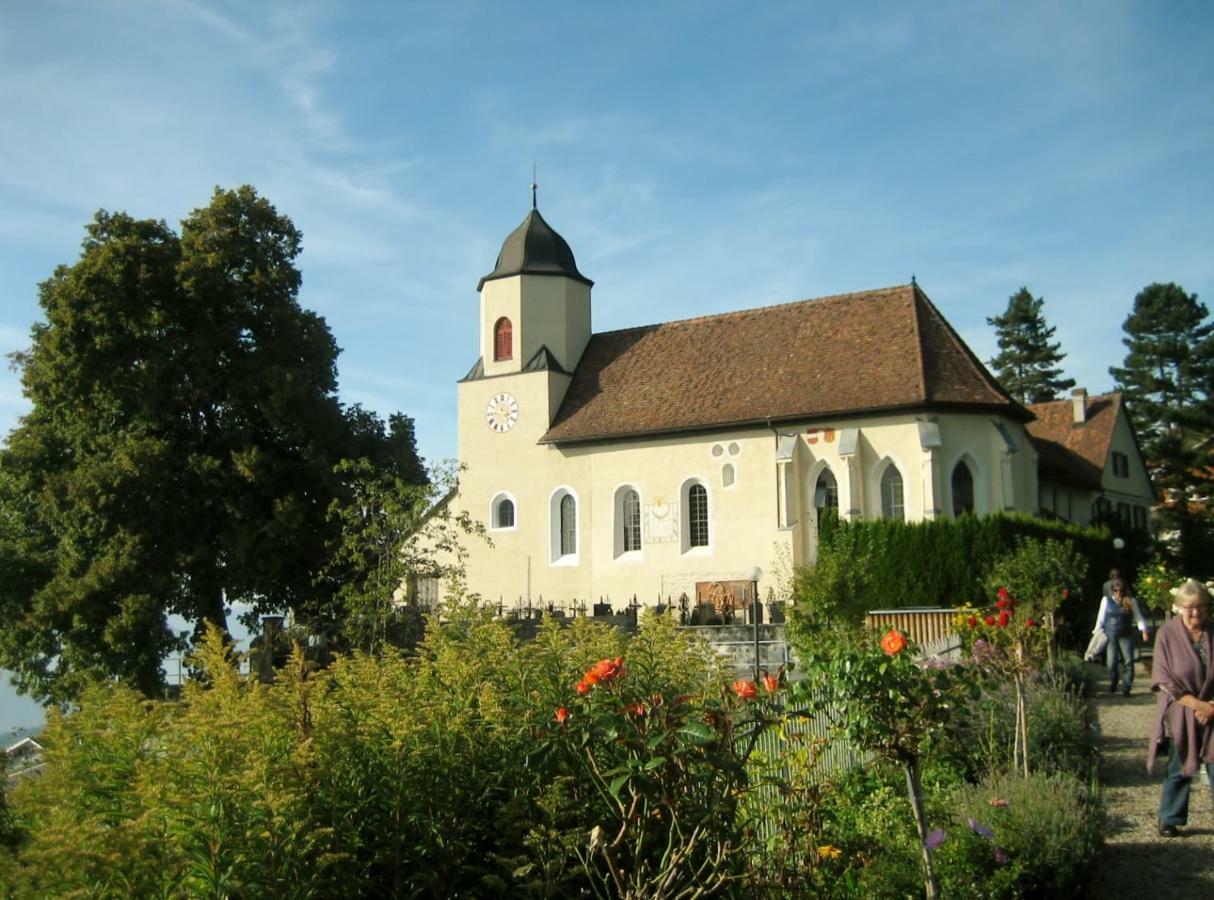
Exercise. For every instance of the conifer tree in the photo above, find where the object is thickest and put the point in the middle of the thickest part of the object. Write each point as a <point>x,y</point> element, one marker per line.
<point>1168,382</point>
<point>1027,364</point>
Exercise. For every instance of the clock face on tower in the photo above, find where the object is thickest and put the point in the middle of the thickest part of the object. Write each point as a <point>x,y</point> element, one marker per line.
<point>502,412</point>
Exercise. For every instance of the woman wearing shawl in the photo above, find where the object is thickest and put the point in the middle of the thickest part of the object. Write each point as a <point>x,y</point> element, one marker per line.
<point>1183,680</point>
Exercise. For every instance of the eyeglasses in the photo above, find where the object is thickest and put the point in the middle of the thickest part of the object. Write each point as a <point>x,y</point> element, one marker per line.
<point>1199,608</point>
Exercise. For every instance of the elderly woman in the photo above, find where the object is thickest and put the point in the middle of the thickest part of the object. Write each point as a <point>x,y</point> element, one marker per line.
<point>1183,679</point>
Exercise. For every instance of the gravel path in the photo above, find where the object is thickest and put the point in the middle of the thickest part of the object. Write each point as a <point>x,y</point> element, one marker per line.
<point>1136,862</point>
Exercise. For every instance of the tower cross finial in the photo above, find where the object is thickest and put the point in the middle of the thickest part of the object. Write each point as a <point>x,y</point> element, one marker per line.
<point>533,186</point>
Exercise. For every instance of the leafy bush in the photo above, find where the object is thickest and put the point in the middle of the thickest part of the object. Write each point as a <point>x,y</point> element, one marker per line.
<point>1062,738</point>
<point>442,774</point>
<point>1006,837</point>
<point>1048,828</point>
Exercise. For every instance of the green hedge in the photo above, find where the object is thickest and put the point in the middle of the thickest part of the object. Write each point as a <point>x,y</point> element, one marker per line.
<point>944,562</point>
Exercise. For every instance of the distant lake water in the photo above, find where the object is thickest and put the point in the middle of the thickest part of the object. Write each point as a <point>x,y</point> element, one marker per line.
<point>18,712</point>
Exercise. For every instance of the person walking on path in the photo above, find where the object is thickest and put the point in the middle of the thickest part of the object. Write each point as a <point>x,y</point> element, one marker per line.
<point>1119,612</point>
<point>1135,861</point>
<point>1183,681</point>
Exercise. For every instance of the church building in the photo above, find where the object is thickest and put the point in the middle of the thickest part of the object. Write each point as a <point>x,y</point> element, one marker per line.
<point>661,460</point>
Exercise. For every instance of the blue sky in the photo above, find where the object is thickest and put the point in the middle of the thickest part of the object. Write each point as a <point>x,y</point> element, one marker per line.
<point>699,157</point>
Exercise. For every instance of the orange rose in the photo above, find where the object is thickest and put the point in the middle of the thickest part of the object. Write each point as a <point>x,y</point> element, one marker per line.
<point>605,670</point>
<point>745,689</point>
<point>583,687</point>
<point>562,715</point>
<point>893,642</point>
<point>771,682</point>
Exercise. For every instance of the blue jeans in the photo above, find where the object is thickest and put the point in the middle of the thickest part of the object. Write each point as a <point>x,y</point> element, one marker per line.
<point>1174,799</point>
<point>1120,652</point>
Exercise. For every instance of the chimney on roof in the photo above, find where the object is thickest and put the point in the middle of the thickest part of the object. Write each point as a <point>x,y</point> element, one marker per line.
<point>1079,406</point>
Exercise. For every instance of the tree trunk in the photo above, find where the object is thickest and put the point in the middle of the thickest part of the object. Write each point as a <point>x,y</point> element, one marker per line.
<point>209,607</point>
<point>914,788</point>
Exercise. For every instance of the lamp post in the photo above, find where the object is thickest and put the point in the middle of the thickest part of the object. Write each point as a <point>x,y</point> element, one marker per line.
<point>754,575</point>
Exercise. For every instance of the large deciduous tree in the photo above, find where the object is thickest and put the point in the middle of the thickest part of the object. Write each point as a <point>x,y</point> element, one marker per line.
<point>180,453</point>
<point>1168,381</point>
<point>1027,364</point>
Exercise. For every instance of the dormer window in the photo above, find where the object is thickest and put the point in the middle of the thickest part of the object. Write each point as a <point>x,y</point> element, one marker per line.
<point>503,340</point>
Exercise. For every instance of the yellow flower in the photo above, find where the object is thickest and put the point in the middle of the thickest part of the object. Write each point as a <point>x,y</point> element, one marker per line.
<point>826,851</point>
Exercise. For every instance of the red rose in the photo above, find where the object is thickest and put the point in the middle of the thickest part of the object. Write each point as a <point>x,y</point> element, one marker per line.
<point>1030,624</point>
<point>1003,593</point>
<point>1003,603</point>
<point>745,689</point>
<point>1065,593</point>
<point>972,621</point>
<point>1004,618</point>
<point>771,682</point>
<point>989,620</point>
<point>562,714</point>
<point>893,642</point>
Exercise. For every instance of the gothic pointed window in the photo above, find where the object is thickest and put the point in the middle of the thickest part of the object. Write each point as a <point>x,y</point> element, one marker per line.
<point>892,505</point>
<point>503,340</point>
<point>963,489</point>
<point>826,492</point>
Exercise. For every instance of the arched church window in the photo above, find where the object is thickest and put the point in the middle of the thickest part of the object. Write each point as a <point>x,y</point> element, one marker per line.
<point>503,340</point>
<point>505,514</point>
<point>963,489</point>
<point>697,516</point>
<point>568,525</point>
<point>892,505</point>
<point>630,508</point>
<point>826,492</point>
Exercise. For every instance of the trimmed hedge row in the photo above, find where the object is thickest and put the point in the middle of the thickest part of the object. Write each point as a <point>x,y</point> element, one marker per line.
<point>944,562</point>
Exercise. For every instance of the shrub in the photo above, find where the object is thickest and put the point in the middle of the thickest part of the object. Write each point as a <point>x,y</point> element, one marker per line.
<point>962,552</point>
<point>1048,828</point>
<point>1039,844</point>
<point>1062,738</point>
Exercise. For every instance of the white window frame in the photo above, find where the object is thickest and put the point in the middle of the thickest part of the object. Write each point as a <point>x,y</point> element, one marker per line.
<point>685,517</point>
<point>881,472</point>
<point>555,556</point>
<point>495,507</point>
<point>617,524</point>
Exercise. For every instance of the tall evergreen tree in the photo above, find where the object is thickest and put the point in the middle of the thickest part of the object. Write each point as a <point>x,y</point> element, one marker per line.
<point>1027,364</point>
<point>180,452</point>
<point>1168,381</point>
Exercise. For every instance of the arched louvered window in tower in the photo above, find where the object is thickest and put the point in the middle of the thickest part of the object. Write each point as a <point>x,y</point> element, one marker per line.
<point>503,340</point>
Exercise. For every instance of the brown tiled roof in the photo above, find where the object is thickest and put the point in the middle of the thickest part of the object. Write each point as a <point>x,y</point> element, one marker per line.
<point>1070,452</point>
<point>857,353</point>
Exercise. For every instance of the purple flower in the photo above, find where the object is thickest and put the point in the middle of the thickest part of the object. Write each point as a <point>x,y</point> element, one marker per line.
<point>1001,856</point>
<point>935,838</point>
<point>979,829</point>
<point>982,651</point>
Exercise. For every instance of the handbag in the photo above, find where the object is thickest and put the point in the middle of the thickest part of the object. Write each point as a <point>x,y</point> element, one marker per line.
<point>1096,646</point>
